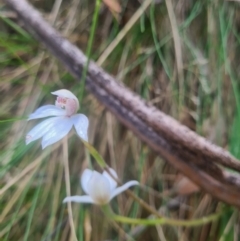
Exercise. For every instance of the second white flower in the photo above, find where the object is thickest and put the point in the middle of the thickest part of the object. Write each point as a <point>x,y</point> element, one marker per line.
<point>101,188</point>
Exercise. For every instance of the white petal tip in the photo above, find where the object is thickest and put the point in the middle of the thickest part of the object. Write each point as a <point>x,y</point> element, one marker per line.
<point>65,200</point>
<point>68,199</point>
<point>78,199</point>
<point>31,117</point>
<point>43,146</point>
<point>28,139</point>
<point>124,188</point>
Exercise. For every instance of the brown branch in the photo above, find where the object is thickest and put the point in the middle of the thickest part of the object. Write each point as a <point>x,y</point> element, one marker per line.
<point>190,153</point>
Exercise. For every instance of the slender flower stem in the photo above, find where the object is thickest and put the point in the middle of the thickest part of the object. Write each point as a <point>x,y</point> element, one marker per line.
<point>89,46</point>
<point>68,190</point>
<point>162,221</point>
<point>136,198</point>
<point>143,203</point>
<point>104,165</point>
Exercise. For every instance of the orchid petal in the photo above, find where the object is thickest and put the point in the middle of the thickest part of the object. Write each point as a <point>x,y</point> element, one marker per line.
<point>123,188</point>
<point>41,129</point>
<point>81,122</point>
<point>66,94</point>
<point>99,188</point>
<point>47,110</point>
<point>61,127</point>
<point>78,199</point>
<point>113,183</point>
<point>87,174</point>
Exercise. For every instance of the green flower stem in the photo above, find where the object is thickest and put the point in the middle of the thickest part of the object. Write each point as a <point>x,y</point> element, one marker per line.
<point>14,119</point>
<point>161,221</point>
<point>104,165</point>
<point>89,47</point>
<point>95,154</point>
<point>152,221</point>
<point>167,221</point>
<point>143,204</point>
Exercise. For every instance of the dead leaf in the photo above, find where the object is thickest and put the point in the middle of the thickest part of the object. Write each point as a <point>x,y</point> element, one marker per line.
<point>113,5</point>
<point>184,186</point>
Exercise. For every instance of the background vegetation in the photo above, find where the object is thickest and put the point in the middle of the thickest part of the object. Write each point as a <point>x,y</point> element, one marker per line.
<point>191,74</point>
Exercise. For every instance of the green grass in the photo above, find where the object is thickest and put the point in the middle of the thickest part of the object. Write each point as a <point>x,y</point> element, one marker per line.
<point>145,61</point>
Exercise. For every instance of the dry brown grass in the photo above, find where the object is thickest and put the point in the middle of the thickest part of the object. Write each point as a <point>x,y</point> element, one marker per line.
<point>191,75</point>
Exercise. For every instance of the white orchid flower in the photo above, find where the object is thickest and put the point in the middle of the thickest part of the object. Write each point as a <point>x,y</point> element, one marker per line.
<point>55,128</point>
<point>101,188</point>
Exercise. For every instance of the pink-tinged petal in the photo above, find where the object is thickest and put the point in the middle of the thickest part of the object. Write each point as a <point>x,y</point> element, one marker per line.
<point>66,94</point>
<point>60,129</point>
<point>123,188</point>
<point>41,129</point>
<point>87,174</point>
<point>78,199</point>
<point>113,183</point>
<point>46,111</point>
<point>99,188</point>
<point>81,123</point>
